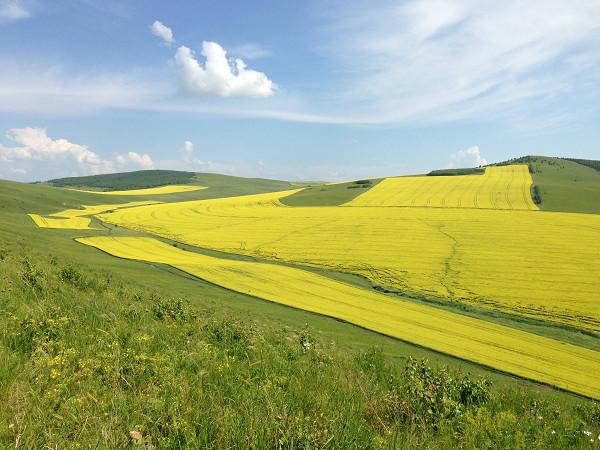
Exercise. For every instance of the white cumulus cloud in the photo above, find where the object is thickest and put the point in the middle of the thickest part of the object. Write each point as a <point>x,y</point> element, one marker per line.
<point>188,151</point>
<point>133,160</point>
<point>189,157</point>
<point>220,76</point>
<point>162,31</point>
<point>11,10</point>
<point>34,144</point>
<point>35,153</point>
<point>470,157</point>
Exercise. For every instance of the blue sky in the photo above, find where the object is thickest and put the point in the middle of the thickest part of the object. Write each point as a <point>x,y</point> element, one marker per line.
<point>327,90</point>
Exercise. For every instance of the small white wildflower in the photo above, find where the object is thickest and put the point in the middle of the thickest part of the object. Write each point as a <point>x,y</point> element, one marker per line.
<point>553,432</point>
<point>587,433</point>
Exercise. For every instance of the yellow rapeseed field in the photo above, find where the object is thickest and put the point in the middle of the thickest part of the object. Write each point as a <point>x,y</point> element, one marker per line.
<point>74,223</point>
<point>524,354</point>
<point>544,265</point>
<point>170,189</point>
<point>96,209</point>
<point>74,218</point>
<point>504,187</point>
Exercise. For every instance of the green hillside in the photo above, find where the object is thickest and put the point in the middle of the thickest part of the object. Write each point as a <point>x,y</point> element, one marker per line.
<point>94,347</point>
<point>594,164</point>
<point>127,180</point>
<point>218,185</point>
<point>564,184</point>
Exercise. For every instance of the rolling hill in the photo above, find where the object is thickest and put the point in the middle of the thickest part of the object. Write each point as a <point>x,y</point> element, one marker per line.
<point>564,184</point>
<point>192,310</point>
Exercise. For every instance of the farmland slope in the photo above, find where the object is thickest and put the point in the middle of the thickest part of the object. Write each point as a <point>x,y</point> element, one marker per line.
<point>564,185</point>
<point>535,264</point>
<point>506,187</point>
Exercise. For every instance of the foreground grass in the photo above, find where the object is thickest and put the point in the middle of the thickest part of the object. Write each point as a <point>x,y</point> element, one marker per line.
<point>89,360</point>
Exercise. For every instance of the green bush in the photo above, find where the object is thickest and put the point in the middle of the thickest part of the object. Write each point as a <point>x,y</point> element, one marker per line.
<point>69,274</point>
<point>171,309</point>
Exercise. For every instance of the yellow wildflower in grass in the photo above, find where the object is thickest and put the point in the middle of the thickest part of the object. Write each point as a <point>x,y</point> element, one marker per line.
<point>524,354</point>
<point>538,264</point>
<point>169,189</point>
<point>504,187</point>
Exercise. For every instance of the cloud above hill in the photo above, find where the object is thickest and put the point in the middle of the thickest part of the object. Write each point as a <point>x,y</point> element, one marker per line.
<point>470,157</point>
<point>35,154</point>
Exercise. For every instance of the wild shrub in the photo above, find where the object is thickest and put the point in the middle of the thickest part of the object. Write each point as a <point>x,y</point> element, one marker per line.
<point>432,396</point>
<point>40,330</point>
<point>535,194</point>
<point>31,275</point>
<point>307,342</point>
<point>71,275</point>
<point>230,334</point>
<point>171,309</point>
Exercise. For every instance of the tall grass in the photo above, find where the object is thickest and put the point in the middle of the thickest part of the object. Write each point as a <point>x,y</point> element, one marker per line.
<point>90,360</point>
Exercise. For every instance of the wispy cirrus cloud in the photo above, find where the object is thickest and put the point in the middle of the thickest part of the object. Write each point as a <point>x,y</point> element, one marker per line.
<point>403,63</point>
<point>251,51</point>
<point>424,61</point>
<point>11,10</point>
<point>61,91</point>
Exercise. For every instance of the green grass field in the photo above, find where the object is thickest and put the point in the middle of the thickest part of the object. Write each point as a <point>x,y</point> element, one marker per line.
<point>94,347</point>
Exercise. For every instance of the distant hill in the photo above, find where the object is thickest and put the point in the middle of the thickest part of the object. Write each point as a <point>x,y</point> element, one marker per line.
<point>218,185</point>
<point>563,184</point>
<point>454,172</point>
<point>559,184</point>
<point>127,180</point>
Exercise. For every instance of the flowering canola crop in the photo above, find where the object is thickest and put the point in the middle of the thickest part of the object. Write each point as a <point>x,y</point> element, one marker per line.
<point>169,189</point>
<point>503,187</point>
<point>524,354</point>
<point>538,264</point>
<point>74,223</point>
<point>74,218</point>
<point>96,209</point>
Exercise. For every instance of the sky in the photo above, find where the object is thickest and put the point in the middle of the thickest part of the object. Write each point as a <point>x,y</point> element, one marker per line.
<point>305,90</point>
